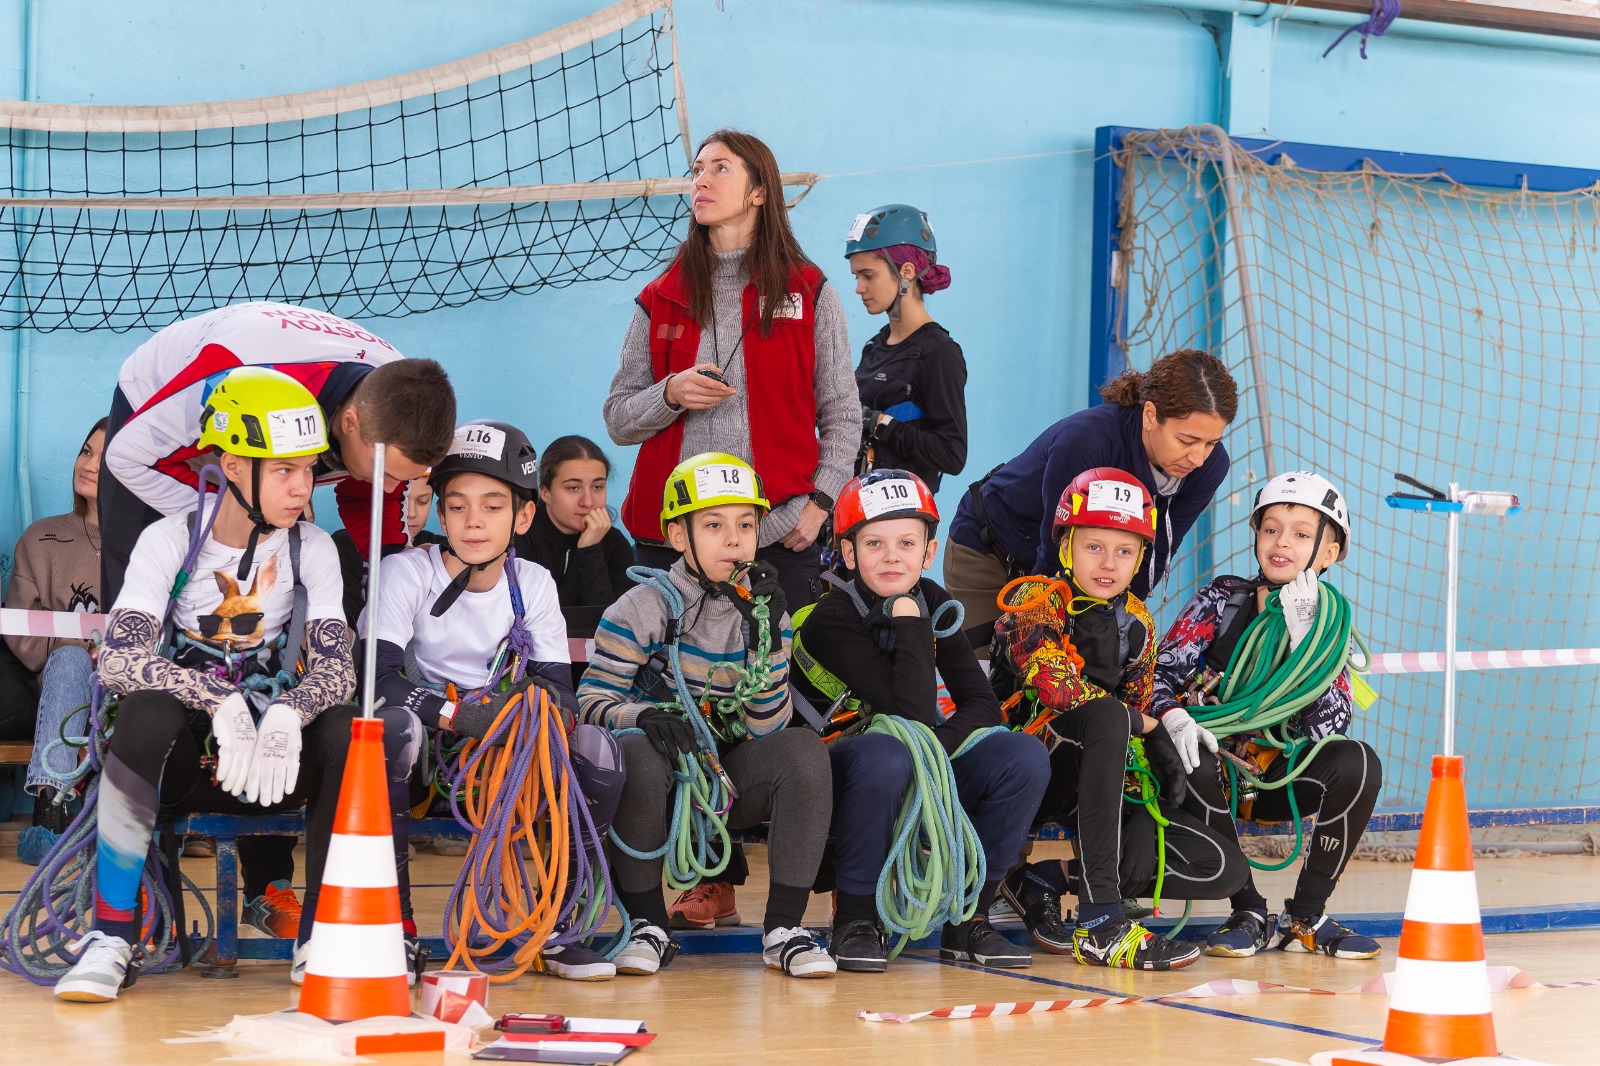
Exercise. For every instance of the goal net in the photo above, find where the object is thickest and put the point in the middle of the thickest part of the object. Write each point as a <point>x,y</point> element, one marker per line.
<point>547,162</point>
<point>1383,323</point>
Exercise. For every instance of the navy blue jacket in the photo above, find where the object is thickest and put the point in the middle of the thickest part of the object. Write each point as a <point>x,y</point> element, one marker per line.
<point>1020,498</point>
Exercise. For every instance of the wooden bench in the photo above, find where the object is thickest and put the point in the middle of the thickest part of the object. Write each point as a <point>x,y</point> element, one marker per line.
<point>15,752</point>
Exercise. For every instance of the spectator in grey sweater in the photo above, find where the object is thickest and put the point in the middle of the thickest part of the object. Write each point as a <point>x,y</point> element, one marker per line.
<point>740,347</point>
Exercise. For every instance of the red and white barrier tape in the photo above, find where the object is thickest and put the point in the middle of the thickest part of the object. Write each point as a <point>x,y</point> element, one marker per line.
<point>1501,979</point>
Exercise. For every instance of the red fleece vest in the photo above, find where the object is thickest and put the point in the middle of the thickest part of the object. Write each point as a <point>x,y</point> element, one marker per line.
<point>779,377</point>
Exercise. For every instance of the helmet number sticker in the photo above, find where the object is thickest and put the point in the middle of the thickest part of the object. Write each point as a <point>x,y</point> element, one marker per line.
<point>723,479</point>
<point>882,497</point>
<point>479,442</point>
<point>297,429</point>
<point>858,227</point>
<point>1115,496</point>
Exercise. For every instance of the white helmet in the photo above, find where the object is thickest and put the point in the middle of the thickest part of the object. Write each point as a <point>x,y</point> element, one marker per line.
<point>1308,490</point>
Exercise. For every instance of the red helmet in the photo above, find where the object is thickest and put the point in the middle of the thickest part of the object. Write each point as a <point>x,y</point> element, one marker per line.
<point>1107,498</point>
<point>880,494</point>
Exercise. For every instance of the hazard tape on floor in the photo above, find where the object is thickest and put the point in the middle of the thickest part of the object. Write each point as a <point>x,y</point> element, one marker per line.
<point>1501,979</point>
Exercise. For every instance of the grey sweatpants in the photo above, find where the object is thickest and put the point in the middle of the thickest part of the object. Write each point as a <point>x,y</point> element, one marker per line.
<point>975,579</point>
<point>783,778</point>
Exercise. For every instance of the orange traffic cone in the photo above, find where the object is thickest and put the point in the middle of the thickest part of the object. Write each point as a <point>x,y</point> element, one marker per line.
<point>1439,994</point>
<point>356,966</point>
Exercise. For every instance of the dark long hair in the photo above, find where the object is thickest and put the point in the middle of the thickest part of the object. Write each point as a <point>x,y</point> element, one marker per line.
<point>565,449</point>
<point>1180,384</point>
<point>80,505</point>
<point>774,254</point>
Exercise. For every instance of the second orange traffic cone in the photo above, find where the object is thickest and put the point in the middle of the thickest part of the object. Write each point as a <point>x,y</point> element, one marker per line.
<point>1439,994</point>
<point>356,967</point>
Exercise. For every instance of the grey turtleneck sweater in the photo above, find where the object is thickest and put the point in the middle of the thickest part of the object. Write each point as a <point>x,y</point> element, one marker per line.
<point>637,410</point>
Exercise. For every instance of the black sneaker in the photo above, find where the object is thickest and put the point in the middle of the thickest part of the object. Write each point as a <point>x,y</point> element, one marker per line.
<point>1127,945</point>
<point>857,946</point>
<point>1242,935</point>
<point>1040,910</point>
<point>977,941</point>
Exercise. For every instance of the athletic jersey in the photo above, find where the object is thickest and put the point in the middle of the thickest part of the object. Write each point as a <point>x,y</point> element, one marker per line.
<point>216,608</point>
<point>460,645</point>
<point>167,379</point>
<point>1201,624</point>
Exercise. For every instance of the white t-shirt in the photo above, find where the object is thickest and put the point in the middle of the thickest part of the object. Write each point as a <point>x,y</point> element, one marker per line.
<point>459,646</point>
<point>215,606</point>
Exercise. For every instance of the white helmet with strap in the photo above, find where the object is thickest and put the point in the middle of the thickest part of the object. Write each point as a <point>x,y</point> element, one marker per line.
<point>1308,490</point>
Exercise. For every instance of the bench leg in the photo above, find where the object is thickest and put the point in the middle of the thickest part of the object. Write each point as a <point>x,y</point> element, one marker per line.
<point>225,953</point>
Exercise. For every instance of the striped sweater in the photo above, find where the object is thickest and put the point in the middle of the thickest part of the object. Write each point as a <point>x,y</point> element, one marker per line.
<point>631,642</point>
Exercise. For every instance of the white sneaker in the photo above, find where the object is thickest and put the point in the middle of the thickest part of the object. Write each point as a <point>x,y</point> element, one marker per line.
<point>100,971</point>
<point>577,962</point>
<point>297,972</point>
<point>647,950</point>
<point>797,953</point>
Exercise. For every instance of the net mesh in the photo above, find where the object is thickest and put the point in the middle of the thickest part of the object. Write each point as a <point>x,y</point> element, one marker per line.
<point>533,165</point>
<point>1380,323</point>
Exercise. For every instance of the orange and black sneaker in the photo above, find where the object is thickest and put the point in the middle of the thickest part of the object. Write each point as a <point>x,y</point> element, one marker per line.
<point>276,912</point>
<point>1323,935</point>
<point>706,905</point>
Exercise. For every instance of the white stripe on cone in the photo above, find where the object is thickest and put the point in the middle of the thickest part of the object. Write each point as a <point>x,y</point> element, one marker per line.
<point>1423,987</point>
<point>360,862</point>
<point>357,950</point>
<point>1446,896</point>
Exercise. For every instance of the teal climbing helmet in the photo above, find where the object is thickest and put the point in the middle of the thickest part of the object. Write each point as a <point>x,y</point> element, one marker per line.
<point>887,226</point>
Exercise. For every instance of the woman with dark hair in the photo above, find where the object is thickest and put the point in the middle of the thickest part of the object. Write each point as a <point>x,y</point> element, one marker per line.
<point>740,347</point>
<point>57,569</point>
<point>1163,425</point>
<point>572,536</point>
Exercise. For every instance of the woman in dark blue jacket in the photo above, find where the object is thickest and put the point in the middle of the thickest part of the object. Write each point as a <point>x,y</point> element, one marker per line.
<point>1164,425</point>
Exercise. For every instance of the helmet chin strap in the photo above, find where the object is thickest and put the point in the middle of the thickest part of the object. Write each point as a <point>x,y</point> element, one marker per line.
<point>1316,549</point>
<point>258,521</point>
<point>1081,601</point>
<point>458,584</point>
<point>708,586</point>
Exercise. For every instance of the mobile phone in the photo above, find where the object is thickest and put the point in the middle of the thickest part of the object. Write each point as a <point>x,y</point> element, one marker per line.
<point>532,1023</point>
<point>714,375</point>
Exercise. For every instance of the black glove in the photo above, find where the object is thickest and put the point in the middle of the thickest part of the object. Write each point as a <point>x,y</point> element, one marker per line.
<point>473,719</point>
<point>869,423</point>
<point>549,688</point>
<point>763,582</point>
<point>668,732</point>
<point>1166,765</point>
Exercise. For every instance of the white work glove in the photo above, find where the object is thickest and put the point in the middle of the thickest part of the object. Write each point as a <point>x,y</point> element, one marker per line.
<point>1187,736</point>
<point>275,767</point>
<point>1299,601</point>
<point>235,729</point>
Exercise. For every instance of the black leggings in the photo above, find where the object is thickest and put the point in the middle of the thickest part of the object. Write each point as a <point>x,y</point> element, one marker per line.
<point>1339,786</point>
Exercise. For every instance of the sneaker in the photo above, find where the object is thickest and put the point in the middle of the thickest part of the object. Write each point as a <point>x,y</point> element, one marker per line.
<point>577,962</point>
<point>705,906</point>
<point>100,972</point>
<point>417,955</point>
<point>1242,935</point>
<point>797,953</point>
<point>1136,911</point>
<point>451,846</point>
<point>276,912</point>
<point>1127,945</point>
<point>297,971</point>
<point>1325,935</point>
<point>857,947</point>
<point>34,843</point>
<point>197,847</point>
<point>1040,910</point>
<point>977,941</point>
<point>647,950</point>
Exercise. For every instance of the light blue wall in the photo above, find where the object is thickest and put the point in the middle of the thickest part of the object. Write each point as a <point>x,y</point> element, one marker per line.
<point>896,88</point>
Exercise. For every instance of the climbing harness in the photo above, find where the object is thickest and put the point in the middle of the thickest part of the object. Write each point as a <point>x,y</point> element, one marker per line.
<point>1262,692</point>
<point>517,787</point>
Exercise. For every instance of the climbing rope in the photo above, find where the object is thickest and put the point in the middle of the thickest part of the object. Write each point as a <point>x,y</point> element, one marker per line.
<point>1266,686</point>
<point>515,787</point>
<point>698,844</point>
<point>1034,718</point>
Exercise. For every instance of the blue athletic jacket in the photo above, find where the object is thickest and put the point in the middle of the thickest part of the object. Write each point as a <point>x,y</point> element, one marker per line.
<point>1020,497</point>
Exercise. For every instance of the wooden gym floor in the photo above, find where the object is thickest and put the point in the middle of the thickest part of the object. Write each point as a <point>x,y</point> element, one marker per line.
<point>728,1009</point>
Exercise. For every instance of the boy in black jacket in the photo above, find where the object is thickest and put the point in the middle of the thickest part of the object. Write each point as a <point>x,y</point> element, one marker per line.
<point>874,638</point>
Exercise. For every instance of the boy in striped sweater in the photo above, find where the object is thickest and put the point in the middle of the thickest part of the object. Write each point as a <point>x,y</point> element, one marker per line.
<point>711,510</point>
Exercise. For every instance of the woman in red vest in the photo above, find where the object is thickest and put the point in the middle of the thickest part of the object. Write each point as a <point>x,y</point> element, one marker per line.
<point>740,347</point>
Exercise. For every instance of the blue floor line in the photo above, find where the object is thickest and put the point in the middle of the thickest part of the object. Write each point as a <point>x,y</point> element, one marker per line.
<point>1177,1004</point>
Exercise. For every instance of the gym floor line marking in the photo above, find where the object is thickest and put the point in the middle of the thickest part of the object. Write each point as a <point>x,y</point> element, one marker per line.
<point>1213,1011</point>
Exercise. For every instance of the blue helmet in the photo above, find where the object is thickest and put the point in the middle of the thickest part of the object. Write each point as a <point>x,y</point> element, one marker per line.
<point>887,226</point>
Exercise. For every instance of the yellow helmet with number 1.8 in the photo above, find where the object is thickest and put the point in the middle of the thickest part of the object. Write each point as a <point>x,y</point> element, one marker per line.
<point>710,479</point>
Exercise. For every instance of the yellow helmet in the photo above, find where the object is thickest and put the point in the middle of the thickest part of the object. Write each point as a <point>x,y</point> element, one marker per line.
<point>260,413</point>
<point>710,479</point>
